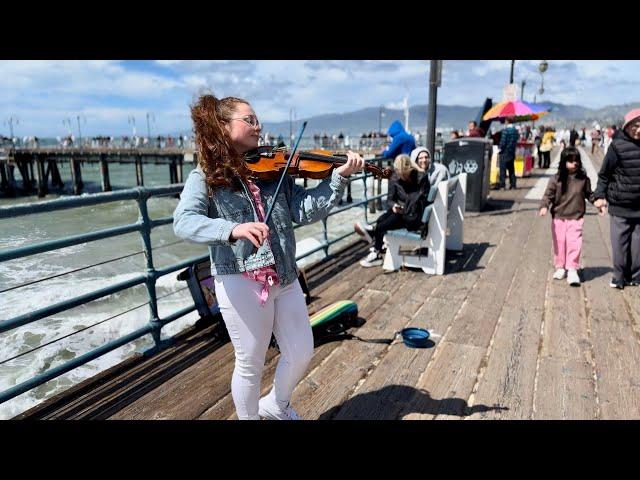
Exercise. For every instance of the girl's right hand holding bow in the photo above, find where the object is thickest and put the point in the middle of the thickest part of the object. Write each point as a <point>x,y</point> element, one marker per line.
<point>255,232</point>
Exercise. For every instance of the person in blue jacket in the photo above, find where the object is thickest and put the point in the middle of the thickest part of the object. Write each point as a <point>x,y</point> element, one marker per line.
<point>403,142</point>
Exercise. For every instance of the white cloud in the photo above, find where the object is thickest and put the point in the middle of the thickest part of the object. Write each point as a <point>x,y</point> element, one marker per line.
<point>42,93</point>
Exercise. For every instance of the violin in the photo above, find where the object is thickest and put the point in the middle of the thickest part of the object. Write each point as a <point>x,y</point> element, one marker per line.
<point>268,163</point>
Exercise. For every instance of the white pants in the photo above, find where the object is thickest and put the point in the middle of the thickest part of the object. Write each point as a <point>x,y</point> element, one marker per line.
<point>250,326</point>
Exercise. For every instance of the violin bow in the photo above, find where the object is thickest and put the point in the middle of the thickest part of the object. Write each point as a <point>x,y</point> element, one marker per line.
<point>284,172</point>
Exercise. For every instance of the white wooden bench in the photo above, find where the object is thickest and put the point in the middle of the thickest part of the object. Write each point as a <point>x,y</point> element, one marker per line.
<point>445,219</point>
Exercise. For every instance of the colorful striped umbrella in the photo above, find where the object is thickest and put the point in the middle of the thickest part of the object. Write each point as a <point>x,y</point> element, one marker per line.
<point>517,110</point>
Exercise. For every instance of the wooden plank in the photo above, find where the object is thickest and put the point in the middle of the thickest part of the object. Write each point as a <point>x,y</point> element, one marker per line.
<point>445,386</point>
<point>616,348</point>
<point>565,332</point>
<point>389,388</point>
<point>188,393</point>
<point>132,372</point>
<point>476,322</point>
<point>565,377</point>
<point>617,356</point>
<point>509,376</point>
<point>569,390</point>
<point>368,301</point>
<point>479,312</point>
<point>321,393</point>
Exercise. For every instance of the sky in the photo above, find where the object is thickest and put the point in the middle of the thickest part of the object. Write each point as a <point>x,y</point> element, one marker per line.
<point>47,98</point>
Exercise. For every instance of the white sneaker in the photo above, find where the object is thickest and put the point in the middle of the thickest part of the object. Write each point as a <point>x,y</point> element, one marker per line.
<point>573,279</point>
<point>364,230</point>
<point>267,408</point>
<point>560,273</point>
<point>374,259</point>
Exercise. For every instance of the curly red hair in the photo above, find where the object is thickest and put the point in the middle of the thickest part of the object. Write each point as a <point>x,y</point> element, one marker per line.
<point>217,157</point>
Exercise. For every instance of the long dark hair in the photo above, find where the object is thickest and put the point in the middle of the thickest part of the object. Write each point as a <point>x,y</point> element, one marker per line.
<point>569,153</point>
<point>218,159</point>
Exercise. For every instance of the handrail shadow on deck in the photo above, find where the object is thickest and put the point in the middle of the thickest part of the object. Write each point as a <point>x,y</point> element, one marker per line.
<point>395,401</point>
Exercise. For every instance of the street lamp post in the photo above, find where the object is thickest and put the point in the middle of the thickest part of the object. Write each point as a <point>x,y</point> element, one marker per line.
<point>523,84</point>
<point>292,113</point>
<point>132,121</point>
<point>10,122</point>
<point>149,115</point>
<point>544,65</point>
<point>513,63</point>
<point>79,130</point>
<point>435,80</point>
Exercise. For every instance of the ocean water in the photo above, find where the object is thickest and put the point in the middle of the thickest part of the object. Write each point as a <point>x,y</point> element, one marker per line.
<point>81,329</point>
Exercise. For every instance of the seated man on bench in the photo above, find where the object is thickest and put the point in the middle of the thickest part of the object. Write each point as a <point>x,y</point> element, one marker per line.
<point>440,229</point>
<point>402,193</point>
<point>434,172</point>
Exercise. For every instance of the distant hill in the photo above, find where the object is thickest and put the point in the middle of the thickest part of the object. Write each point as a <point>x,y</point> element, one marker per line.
<point>448,117</point>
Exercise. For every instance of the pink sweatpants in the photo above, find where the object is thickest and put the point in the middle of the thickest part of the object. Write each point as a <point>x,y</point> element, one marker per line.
<point>567,243</point>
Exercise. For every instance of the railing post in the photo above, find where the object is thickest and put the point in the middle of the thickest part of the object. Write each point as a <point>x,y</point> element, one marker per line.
<point>42,179</point>
<point>366,197</point>
<point>372,204</point>
<point>326,236</point>
<point>379,200</point>
<point>11,180</point>
<point>104,173</point>
<point>145,232</point>
<point>180,162</point>
<point>76,175</point>
<point>56,179</point>
<point>31,175</point>
<point>3,176</point>
<point>173,172</point>
<point>139,175</point>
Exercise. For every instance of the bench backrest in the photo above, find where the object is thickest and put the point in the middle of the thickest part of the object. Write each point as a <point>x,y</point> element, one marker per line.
<point>446,214</point>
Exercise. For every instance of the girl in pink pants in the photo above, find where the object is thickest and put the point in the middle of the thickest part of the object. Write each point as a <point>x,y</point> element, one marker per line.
<point>565,196</point>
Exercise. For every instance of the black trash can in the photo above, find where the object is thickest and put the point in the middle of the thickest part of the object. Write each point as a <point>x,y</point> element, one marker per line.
<point>472,156</point>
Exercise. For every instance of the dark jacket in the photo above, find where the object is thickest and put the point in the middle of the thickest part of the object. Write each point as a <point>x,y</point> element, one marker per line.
<point>509,142</point>
<point>569,205</point>
<point>619,177</point>
<point>573,137</point>
<point>399,188</point>
<point>476,132</point>
<point>403,142</point>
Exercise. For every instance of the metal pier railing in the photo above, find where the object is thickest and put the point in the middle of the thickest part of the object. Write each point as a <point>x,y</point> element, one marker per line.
<point>143,226</point>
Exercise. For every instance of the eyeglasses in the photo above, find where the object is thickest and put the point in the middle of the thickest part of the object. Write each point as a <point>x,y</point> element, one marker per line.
<point>251,120</point>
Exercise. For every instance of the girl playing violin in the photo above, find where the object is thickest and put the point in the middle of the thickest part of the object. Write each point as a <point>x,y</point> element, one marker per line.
<point>253,263</point>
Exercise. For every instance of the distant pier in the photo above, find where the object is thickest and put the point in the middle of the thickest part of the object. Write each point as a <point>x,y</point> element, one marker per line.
<point>40,167</point>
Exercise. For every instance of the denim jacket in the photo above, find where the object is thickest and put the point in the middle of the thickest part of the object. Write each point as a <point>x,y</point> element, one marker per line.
<point>200,218</point>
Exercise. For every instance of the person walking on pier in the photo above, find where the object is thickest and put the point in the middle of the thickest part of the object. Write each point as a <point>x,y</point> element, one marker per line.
<point>618,189</point>
<point>253,263</point>
<point>508,144</point>
<point>565,196</point>
<point>548,139</point>
<point>595,140</point>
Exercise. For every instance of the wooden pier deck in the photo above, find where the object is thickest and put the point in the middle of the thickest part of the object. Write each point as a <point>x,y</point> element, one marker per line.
<point>509,342</point>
